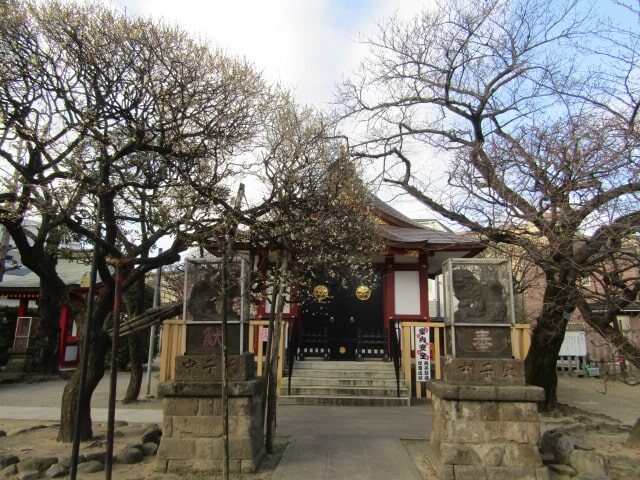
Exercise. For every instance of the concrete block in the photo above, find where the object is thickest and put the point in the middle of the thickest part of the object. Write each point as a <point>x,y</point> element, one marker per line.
<point>176,448</point>
<point>470,472</point>
<point>465,410</point>
<point>180,405</point>
<point>167,426</point>
<point>209,448</point>
<point>489,411</point>
<point>522,455</point>
<point>197,426</point>
<point>210,406</point>
<point>458,454</point>
<point>511,473</point>
<point>518,411</point>
<point>493,457</point>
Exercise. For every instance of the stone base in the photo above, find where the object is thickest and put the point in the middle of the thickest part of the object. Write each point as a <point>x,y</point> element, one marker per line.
<point>21,361</point>
<point>192,427</point>
<point>483,432</point>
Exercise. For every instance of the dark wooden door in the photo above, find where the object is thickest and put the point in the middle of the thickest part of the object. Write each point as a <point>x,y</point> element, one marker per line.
<point>342,314</point>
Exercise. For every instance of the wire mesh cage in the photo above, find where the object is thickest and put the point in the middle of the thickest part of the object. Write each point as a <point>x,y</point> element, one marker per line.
<point>203,307</point>
<point>479,307</point>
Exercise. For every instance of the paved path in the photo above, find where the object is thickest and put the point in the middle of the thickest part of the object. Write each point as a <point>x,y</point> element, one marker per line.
<point>49,393</point>
<point>140,415</point>
<point>354,443</point>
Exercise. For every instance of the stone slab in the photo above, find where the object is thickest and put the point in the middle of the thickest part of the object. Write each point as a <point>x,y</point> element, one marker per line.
<point>487,371</point>
<point>208,368</point>
<point>245,388</point>
<point>448,391</point>
<point>482,341</point>
<point>206,338</point>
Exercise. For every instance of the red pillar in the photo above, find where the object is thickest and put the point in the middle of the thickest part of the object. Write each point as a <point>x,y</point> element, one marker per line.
<point>23,307</point>
<point>64,332</point>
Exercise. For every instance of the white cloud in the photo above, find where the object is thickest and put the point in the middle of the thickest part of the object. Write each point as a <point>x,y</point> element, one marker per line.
<point>305,44</point>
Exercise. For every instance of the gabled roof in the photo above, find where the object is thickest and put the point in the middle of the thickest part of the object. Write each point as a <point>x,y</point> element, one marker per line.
<point>71,272</point>
<point>401,231</point>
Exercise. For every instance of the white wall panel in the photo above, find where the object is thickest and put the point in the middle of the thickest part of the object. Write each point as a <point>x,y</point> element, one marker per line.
<point>407,292</point>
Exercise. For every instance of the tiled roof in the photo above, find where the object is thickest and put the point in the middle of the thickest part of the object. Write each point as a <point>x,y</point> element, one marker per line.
<point>408,232</point>
<point>424,236</point>
<point>70,272</point>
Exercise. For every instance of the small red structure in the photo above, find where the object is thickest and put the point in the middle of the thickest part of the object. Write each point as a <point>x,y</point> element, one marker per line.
<point>25,288</point>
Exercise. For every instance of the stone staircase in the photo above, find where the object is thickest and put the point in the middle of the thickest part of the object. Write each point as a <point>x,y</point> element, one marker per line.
<point>367,383</point>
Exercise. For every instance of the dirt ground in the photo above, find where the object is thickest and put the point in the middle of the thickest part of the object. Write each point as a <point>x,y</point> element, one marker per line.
<point>32,438</point>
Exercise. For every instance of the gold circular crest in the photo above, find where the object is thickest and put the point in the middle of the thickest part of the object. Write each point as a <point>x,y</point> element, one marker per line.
<point>363,292</point>
<point>320,292</point>
<point>342,350</point>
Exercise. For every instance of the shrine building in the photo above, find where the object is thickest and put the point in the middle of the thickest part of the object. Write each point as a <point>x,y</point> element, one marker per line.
<point>353,323</point>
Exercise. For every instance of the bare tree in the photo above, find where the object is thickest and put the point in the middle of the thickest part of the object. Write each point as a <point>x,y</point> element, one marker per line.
<point>536,155</point>
<point>114,112</point>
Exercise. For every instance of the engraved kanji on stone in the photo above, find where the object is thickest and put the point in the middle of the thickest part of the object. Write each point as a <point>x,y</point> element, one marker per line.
<point>482,340</point>
<point>466,369</point>
<point>509,372</point>
<point>487,372</point>
<point>189,364</point>
<point>209,365</point>
<point>211,337</point>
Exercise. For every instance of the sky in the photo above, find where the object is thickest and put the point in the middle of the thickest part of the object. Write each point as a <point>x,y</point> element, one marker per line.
<point>306,45</point>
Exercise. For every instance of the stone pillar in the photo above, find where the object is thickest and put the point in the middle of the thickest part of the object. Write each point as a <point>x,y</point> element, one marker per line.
<point>485,422</point>
<point>192,426</point>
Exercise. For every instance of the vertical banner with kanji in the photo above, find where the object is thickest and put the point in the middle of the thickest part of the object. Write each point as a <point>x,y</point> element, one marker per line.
<point>423,354</point>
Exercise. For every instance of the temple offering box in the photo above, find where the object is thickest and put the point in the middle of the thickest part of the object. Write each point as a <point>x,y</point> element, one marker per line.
<point>479,308</point>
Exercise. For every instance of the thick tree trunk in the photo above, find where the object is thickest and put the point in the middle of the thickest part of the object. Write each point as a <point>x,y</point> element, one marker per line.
<point>136,361</point>
<point>548,334</point>
<point>136,349</point>
<point>98,348</point>
<point>95,372</point>
<point>49,337</point>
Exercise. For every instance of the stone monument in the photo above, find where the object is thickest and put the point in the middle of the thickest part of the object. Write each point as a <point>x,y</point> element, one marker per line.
<point>192,403</point>
<point>23,354</point>
<point>485,423</point>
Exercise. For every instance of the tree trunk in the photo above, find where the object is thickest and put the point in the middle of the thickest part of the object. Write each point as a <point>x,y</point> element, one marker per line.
<point>272,393</point>
<point>98,348</point>
<point>136,349</point>
<point>634,436</point>
<point>136,362</point>
<point>95,371</point>
<point>49,336</point>
<point>546,340</point>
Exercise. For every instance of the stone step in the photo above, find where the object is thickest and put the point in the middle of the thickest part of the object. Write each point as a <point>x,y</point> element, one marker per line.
<point>331,391</point>
<point>343,382</point>
<point>344,401</point>
<point>375,365</point>
<point>309,373</point>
